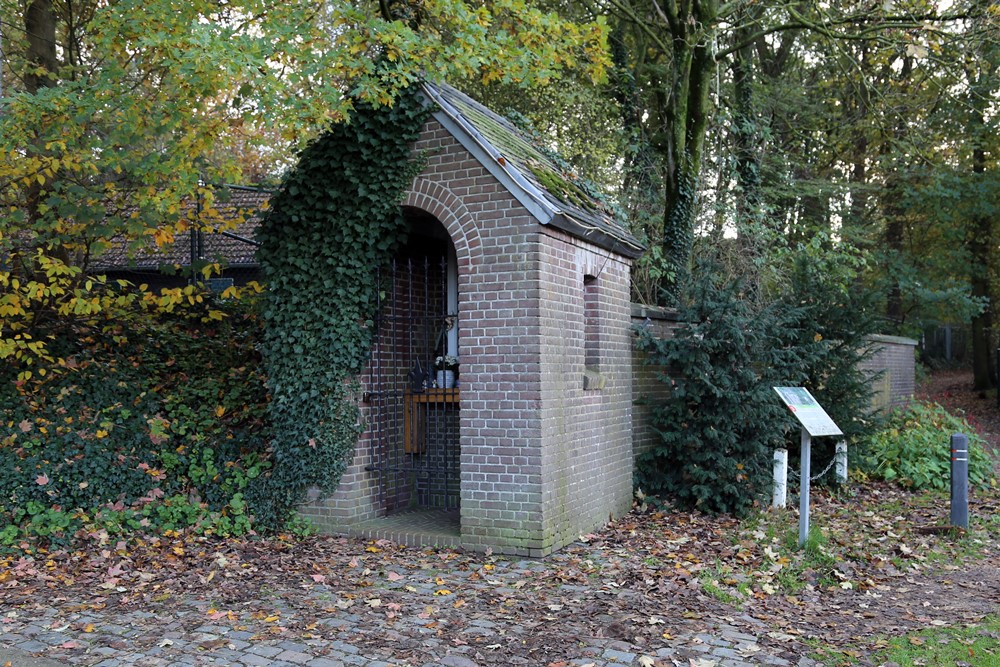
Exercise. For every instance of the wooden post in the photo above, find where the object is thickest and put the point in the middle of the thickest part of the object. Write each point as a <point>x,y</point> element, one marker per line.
<point>780,493</point>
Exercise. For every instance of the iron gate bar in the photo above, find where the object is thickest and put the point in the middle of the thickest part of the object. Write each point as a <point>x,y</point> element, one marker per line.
<point>414,444</point>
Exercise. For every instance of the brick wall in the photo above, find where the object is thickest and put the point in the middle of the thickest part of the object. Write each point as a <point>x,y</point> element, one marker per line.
<point>586,409</point>
<point>649,389</point>
<point>893,368</point>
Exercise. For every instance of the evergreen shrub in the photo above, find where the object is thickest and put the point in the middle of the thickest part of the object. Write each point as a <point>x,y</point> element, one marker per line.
<point>835,319</point>
<point>723,418</point>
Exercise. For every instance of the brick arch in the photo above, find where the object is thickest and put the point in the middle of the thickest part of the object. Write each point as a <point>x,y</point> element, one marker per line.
<point>449,209</point>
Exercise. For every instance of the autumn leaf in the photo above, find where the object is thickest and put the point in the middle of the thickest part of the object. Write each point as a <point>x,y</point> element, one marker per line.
<point>42,480</point>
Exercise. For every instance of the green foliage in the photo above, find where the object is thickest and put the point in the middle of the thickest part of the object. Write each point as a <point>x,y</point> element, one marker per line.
<point>163,432</point>
<point>914,449</point>
<point>334,224</point>
<point>734,345</point>
<point>834,318</point>
<point>722,418</point>
<point>114,115</point>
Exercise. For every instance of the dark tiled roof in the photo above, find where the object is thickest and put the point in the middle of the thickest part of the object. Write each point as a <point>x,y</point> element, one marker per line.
<point>553,195</point>
<point>234,204</point>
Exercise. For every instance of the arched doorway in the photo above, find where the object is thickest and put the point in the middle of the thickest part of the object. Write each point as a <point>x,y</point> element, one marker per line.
<point>414,403</point>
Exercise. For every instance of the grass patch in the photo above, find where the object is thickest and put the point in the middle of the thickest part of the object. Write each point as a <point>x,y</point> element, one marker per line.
<point>977,645</point>
<point>721,584</point>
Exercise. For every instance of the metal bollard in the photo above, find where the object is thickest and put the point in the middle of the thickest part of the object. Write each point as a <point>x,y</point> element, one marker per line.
<point>960,480</point>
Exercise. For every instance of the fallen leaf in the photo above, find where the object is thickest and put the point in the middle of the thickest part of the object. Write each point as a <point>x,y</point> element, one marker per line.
<point>702,662</point>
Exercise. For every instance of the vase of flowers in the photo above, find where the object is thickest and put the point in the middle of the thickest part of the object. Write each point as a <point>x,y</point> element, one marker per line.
<point>446,367</point>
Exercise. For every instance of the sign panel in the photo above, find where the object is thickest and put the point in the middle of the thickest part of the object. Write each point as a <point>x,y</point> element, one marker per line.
<point>808,411</point>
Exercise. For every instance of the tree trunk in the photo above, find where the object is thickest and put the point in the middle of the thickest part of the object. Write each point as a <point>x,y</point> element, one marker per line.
<point>686,119</point>
<point>980,242</point>
<point>40,29</point>
<point>746,134</point>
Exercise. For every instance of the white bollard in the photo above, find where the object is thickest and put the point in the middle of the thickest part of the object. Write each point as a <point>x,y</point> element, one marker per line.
<point>841,462</point>
<point>780,495</point>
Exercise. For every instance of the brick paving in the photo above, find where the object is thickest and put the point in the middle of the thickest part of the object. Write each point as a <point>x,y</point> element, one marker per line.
<point>163,641</point>
<point>189,630</point>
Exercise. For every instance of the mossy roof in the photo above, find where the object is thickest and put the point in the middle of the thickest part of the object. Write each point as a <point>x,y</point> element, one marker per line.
<point>554,196</point>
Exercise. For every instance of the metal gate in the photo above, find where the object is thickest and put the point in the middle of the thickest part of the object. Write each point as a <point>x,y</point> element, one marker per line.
<point>414,409</point>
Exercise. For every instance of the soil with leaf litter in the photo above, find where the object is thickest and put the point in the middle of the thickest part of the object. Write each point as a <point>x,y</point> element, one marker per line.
<point>654,583</point>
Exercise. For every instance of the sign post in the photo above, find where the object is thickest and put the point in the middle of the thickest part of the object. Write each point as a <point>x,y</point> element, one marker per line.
<point>815,422</point>
<point>804,465</point>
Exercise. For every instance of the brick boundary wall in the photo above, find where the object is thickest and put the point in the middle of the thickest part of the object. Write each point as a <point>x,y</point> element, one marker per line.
<point>892,367</point>
<point>647,387</point>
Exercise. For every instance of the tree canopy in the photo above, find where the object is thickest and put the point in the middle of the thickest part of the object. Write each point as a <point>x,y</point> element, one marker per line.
<point>114,115</point>
<point>869,124</point>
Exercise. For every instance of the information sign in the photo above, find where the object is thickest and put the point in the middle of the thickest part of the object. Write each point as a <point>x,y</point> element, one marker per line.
<point>808,411</point>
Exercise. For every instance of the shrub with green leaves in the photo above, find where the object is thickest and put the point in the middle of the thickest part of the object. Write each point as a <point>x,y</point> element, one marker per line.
<point>131,431</point>
<point>734,344</point>
<point>834,319</point>
<point>914,449</point>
